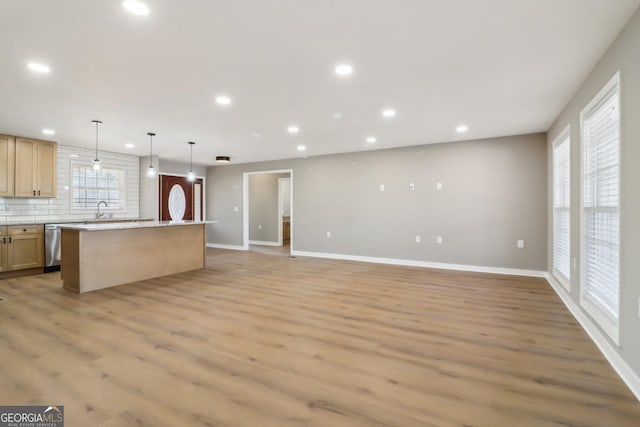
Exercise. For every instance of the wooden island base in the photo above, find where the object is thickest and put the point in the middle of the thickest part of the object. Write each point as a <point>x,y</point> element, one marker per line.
<point>100,258</point>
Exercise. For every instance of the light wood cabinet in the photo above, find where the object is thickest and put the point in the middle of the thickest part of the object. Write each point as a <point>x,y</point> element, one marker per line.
<point>3,249</point>
<point>7,165</point>
<point>21,247</point>
<point>35,168</point>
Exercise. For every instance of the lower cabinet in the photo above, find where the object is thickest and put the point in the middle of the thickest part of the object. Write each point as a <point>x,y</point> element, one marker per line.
<point>22,247</point>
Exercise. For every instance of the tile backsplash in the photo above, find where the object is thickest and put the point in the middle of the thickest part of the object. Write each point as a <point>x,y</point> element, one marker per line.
<point>19,209</point>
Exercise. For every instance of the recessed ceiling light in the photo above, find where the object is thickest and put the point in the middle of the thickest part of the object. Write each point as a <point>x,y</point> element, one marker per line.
<point>371,140</point>
<point>293,129</point>
<point>337,115</point>
<point>301,148</point>
<point>48,131</point>
<point>136,7</point>
<point>344,70</point>
<point>38,68</point>
<point>129,145</point>
<point>256,135</point>
<point>223,100</point>
<point>462,128</point>
<point>388,113</point>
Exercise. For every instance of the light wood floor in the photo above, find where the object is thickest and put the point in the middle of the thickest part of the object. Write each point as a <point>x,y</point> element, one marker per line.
<point>261,340</point>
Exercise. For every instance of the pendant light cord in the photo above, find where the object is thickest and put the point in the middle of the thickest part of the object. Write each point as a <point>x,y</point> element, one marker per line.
<point>98,123</point>
<point>97,140</point>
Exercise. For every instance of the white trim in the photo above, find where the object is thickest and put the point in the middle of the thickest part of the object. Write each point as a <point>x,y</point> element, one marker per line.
<point>426,264</point>
<point>609,325</point>
<point>280,211</point>
<point>221,246</point>
<point>564,135</point>
<point>630,378</point>
<point>245,205</point>
<point>263,243</point>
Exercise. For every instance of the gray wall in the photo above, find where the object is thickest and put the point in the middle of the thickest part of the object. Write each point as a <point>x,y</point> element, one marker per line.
<point>623,56</point>
<point>149,197</point>
<point>494,192</point>
<point>263,207</point>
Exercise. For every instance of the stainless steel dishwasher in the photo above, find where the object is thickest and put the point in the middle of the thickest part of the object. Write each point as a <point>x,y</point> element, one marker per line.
<point>52,255</point>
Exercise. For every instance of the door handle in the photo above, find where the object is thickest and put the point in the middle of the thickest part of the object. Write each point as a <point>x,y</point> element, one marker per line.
<point>34,192</point>
<point>38,192</point>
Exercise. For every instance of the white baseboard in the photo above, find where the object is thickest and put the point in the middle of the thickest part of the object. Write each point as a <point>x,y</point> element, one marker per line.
<point>413,263</point>
<point>221,246</point>
<point>261,243</point>
<point>630,378</point>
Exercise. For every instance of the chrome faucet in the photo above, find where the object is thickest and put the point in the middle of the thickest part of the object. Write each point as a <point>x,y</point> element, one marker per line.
<point>106,205</point>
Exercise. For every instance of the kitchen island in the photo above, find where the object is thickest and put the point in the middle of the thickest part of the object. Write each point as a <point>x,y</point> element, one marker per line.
<point>97,256</point>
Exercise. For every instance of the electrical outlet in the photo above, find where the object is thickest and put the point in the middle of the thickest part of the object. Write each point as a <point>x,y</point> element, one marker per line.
<point>381,187</point>
<point>438,186</point>
<point>520,244</point>
<point>412,186</point>
<point>439,240</point>
<point>328,234</point>
<point>235,209</point>
<point>418,239</point>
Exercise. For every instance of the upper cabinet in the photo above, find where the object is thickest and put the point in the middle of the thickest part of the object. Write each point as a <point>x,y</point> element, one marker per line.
<point>35,168</point>
<point>7,164</point>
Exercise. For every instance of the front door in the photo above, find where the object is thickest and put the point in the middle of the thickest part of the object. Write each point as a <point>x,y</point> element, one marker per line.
<point>180,199</point>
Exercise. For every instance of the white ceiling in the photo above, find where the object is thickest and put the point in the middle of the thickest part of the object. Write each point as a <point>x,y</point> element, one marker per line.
<point>502,67</point>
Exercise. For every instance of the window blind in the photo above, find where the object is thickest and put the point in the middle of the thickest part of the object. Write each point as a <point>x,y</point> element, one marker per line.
<point>91,186</point>
<point>601,202</point>
<point>562,208</point>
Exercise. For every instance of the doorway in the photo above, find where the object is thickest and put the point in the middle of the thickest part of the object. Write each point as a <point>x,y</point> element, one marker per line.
<point>181,199</point>
<point>268,213</point>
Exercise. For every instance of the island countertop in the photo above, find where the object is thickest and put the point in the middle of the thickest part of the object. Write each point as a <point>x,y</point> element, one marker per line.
<point>125,225</point>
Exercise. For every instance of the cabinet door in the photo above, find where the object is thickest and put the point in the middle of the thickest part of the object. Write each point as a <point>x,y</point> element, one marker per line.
<point>7,163</point>
<point>3,249</point>
<point>46,169</point>
<point>26,251</point>
<point>26,151</point>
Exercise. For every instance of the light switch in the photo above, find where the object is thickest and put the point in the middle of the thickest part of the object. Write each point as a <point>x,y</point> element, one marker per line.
<point>439,240</point>
<point>520,244</point>
<point>328,234</point>
<point>259,226</point>
<point>235,209</point>
<point>418,239</point>
<point>438,186</point>
<point>381,187</point>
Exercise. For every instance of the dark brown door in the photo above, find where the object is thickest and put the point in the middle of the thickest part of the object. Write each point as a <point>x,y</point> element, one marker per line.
<point>167,182</point>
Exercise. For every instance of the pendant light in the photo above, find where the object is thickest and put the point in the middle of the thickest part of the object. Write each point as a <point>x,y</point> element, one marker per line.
<point>151,171</point>
<point>191,176</point>
<point>96,161</point>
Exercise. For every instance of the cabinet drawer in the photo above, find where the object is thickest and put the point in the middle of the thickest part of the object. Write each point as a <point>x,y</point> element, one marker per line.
<point>26,229</point>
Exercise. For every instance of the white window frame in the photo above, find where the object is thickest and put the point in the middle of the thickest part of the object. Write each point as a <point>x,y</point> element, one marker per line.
<point>563,137</point>
<point>610,325</point>
<point>123,190</point>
